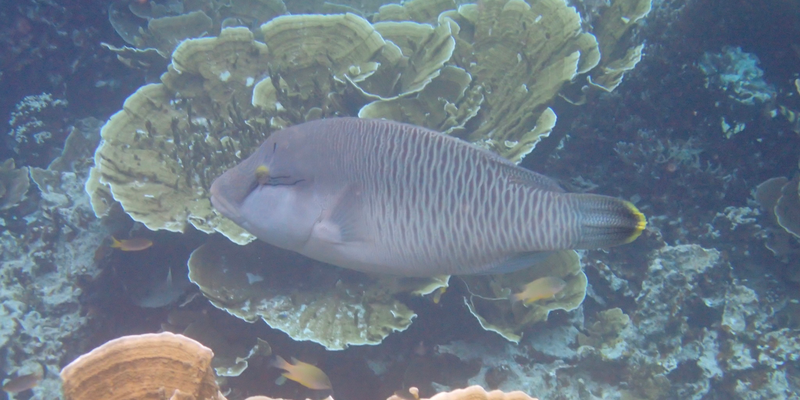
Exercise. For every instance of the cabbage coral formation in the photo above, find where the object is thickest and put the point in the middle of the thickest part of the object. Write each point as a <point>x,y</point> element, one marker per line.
<point>258,281</point>
<point>485,73</point>
<point>492,72</point>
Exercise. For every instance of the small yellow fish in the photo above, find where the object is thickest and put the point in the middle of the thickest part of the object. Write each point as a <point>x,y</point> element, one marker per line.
<point>303,373</point>
<point>437,295</point>
<point>134,244</point>
<point>22,382</point>
<point>542,288</point>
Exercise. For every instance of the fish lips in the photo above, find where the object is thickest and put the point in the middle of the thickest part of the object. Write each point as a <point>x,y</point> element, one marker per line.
<point>221,200</point>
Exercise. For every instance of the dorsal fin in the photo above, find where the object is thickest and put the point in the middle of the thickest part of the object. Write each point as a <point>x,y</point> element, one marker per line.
<point>529,178</point>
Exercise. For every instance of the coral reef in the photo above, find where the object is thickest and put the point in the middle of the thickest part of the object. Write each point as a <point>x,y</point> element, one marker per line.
<point>222,95</point>
<point>737,74</point>
<point>35,125</point>
<point>613,28</point>
<point>332,307</point>
<point>689,335</point>
<point>45,256</point>
<point>712,315</point>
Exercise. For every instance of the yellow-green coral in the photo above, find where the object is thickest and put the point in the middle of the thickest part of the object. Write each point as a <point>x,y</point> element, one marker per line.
<point>424,51</point>
<point>302,44</point>
<point>425,11</point>
<point>168,26</point>
<point>161,152</point>
<point>441,105</point>
<point>520,56</point>
<point>613,26</point>
<point>333,307</point>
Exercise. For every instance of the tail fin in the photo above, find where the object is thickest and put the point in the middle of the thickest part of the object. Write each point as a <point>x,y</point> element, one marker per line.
<point>607,221</point>
<point>280,363</point>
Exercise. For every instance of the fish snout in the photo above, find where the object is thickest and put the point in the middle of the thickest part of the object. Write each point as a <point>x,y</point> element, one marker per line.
<point>221,202</point>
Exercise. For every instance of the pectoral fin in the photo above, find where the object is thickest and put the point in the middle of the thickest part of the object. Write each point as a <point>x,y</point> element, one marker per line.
<point>343,221</point>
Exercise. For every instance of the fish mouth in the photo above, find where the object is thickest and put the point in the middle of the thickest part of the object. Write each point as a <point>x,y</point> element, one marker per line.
<point>223,206</point>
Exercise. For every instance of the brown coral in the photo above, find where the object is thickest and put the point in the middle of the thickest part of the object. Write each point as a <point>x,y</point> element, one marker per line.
<point>148,366</point>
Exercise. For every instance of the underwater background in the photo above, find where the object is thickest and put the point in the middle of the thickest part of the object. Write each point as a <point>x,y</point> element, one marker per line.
<point>688,109</point>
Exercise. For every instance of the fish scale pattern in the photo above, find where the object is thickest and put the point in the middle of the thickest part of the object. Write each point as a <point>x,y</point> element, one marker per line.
<point>433,201</point>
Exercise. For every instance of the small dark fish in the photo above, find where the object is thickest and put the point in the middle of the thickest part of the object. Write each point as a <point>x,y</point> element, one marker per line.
<point>135,244</point>
<point>22,382</point>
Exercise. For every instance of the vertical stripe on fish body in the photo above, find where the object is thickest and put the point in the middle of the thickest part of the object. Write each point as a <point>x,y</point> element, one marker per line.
<point>387,197</point>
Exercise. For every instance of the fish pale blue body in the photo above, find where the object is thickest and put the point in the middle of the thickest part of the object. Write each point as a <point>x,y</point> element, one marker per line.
<point>385,197</point>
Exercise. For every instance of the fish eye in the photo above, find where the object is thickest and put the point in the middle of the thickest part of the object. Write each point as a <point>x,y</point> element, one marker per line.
<point>262,174</point>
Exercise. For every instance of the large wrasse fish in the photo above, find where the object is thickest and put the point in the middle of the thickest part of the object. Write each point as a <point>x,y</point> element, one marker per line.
<point>387,197</point>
